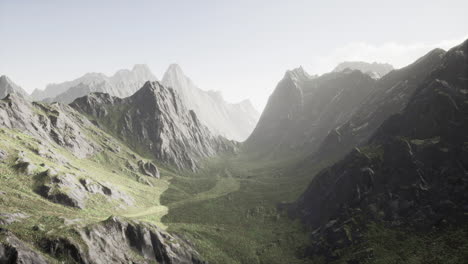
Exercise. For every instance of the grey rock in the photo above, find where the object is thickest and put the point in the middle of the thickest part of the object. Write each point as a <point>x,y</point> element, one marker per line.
<point>9,218</point>
<point>56,123</point>
<point>303,109</point>
<point>15,251</point>
<point>390,96</point>
<point>233,121</point>
<point>67,190</point>
<point>7,87</point>
<point>3,154</point>
<point>148,168</point>
<point>155,119</point>
<point>24,165</point>
<point>122,84</point>
<point>125,242</point>
<point>400,177</point>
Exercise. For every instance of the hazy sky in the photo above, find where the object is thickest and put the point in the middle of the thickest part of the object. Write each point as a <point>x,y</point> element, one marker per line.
<point>239,47</point>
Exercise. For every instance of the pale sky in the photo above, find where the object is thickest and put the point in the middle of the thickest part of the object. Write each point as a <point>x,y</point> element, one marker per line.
<point>241,47</point>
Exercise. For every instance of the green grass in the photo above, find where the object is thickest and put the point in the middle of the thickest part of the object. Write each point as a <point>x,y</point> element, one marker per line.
<point>399,245</point>
<point>106,167</point>
<point>233,216</point>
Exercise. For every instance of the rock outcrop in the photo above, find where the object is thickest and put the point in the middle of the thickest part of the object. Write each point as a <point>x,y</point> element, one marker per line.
<point>155,120</point>
<point>390,96</point>
<point>69,190</point>
<point>56,123</point>
<point>411,173</point>
<point>302,110</point>
<point>124,242</point>
<point>148,168</point>
<point>15,251</point>
<point>233,121</point>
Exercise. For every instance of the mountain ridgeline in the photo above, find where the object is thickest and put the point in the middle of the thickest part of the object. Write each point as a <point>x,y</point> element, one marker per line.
<point>155,120</point>
<point>233,121</point>
<point>122,84</point>
<point>411,173</point>
<point>365,164</point>
<point>302,110</point>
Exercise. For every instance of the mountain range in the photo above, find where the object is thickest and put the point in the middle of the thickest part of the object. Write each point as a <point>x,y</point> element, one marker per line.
<point>233,121</point>
<point>365,164</point>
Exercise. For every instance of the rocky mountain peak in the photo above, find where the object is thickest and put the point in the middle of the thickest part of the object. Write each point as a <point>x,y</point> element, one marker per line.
<point>156,120</point>
<point>7,86</point>
<point>222,118</point>
<point>174,68</point>
<point>374,69</point>
<point>297,74</point>
<point>143,68</point>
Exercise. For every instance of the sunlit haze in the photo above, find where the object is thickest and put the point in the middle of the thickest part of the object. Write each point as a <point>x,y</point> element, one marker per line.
<point>241,48</point>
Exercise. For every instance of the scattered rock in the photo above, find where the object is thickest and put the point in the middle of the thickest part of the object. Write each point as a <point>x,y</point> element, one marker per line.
<point>66,189</point>
<point>149,169</point>
<point>3,154</point>
<point>13,250</point>
<point>9,218</point>
<point>24,165</point>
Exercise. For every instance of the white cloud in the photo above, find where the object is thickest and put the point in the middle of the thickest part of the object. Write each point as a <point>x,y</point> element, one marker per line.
<point>397,54</point>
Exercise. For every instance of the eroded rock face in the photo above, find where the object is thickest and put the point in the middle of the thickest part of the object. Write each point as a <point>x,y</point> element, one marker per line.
<point>15,251</point>
<point>302,110</point>
<point>155,119</point>
<point>411,173</point>
<point>3,154</point>
<point>54,123</point>
<point>148,241</point>
<point>390,96</point>
<point>149,169</point>
<point>67,190</point>
<point>7,87</point>
<point>233,121</point>
<point>124,242</point>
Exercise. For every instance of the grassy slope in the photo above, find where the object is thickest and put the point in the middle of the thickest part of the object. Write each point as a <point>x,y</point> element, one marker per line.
<point>229,210</point>
<point>107,167</point>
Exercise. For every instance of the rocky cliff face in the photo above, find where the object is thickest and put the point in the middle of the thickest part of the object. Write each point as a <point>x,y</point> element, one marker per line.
<point>7,86</point>
<point>56,123</point>
<point>124,242</point>
<point>411,173</point>
<point>375,69</point>
<point>233,121</point>
<point>390,96</point>
<point>122,84</point>
<point>154,119</point>
<point>302,110</point>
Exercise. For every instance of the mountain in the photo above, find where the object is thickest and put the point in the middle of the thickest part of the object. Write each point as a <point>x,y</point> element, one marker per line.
<point>122,84</point>
<point>302,110</point>
<point>7,86</point>
<point>64,178</point>
<point>410,174</point>
<point>376,70</point>
<point>233,121</point>
<point>155,119</point>
<point>390,96</point>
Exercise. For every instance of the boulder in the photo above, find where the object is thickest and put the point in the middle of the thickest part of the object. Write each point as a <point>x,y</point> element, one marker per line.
<point>13,251</point>
<point>148,168</point>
